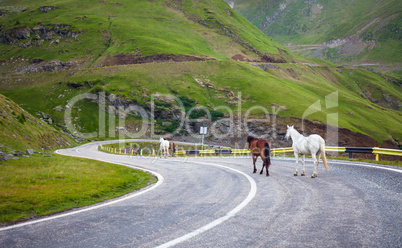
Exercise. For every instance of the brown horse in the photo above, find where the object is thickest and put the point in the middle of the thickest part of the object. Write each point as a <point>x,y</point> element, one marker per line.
<point>172,147</point>
<point>260,147</point>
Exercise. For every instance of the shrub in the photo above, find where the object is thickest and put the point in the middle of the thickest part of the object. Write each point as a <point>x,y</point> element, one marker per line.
<point>216,114</point>
<point>197,113</point>
<point>21,118</point>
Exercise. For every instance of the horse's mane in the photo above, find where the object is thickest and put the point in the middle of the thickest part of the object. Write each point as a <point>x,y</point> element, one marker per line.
<point>250,138</point>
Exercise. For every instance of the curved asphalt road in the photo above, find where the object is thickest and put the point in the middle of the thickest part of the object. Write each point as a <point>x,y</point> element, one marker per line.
<point>218,202</point>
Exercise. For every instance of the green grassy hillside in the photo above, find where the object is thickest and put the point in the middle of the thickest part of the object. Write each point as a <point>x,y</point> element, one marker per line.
<point>91,31</point>
<point>369,31</point>
<point>201,52</point>
<point>20,130</point>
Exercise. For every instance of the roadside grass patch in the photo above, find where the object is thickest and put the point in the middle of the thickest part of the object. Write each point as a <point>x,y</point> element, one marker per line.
<point>37,186</point>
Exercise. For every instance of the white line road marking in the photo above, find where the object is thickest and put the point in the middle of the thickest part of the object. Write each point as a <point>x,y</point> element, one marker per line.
<point>250,196</point>
<point>353,163</point>
<point>372,166</point>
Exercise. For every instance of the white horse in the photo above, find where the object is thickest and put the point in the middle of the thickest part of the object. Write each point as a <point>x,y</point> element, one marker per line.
<point>313,144</point>
<point>163,147</point>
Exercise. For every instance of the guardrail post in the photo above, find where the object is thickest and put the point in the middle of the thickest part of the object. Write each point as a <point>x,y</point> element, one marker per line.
<point>350,155</point>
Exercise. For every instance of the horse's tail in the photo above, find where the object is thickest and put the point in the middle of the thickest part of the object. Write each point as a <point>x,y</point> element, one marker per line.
<point>267,155</point>
<point>173,149</point>
<point>324,159</point>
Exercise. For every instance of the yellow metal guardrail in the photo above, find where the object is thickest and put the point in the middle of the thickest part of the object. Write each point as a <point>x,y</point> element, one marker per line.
<point>180,153</point>
<point>375,150</point>
<point>281,150</point>
<point>206,151</point>
<point>335,149</point>
<point>384,151</point>
<point>240,151</point>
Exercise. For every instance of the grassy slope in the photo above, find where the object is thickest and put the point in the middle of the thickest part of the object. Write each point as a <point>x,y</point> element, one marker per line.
<point>282,87</point>
<point>192,28</point>
<point>103,29</point>
<point>20,130</point>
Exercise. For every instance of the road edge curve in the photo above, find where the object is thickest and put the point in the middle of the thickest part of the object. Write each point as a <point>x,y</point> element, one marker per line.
<point>134,194</point>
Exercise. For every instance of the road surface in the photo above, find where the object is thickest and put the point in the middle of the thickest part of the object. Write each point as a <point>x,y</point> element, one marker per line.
<point>219,202</point>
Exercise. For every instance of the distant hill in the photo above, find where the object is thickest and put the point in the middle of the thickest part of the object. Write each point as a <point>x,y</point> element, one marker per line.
<point>151,53</point>
<point>359,31</point>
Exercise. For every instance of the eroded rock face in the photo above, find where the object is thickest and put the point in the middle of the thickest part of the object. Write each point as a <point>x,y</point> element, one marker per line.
<point>36,35</point>
<point>138,58</point>
<point>46,9</point>
<point>53,65</point>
